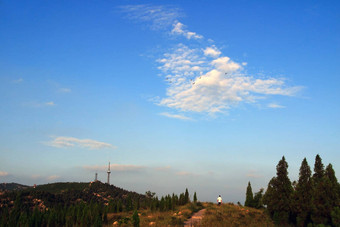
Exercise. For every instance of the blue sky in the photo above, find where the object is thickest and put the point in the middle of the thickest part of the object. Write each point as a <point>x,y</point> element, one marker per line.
<point>206,95</point>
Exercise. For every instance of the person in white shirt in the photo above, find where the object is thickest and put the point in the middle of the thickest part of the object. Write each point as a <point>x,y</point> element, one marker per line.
<point>219,200</point>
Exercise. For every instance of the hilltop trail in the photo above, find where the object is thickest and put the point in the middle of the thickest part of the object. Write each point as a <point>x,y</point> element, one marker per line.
<point>195,219</point>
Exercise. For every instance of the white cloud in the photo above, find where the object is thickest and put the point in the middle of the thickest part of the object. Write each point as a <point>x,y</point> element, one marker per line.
<point>115,167</point>
<point>216,86</point>
<point>176,116</point>
<point>253,174</point>
<point>3,174</point>
<point>75,142</point>
<point>178,29</point>
<point>275,106</point>
<point>34,104</point>
<point>64,90</point>
<point>201,79</point>
<point>212,52</point>
<point>53,177</point>
<point>50,103</point>
<point>160,17</point>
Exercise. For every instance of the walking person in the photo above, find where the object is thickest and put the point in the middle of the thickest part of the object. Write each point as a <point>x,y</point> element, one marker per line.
<point>219,200</point>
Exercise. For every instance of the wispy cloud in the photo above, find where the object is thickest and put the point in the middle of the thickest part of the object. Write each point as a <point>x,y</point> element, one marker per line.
<point>160,17</point>
<point>35,104</point>
<point>64,90</point>
<point>18,81</point>
<point>63,142</point>
<point>50,103</point>
<point>275,106</point>
<point>3,174</point>
<point>179,29</point>
<point>115,167</point>
<point>53,177</point>
<point>176,116</point>
<point>253,174</point>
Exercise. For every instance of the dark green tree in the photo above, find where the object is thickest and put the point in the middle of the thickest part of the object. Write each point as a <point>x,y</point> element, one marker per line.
<point>249,196</point>
<point>279,193</point>
<point>195,198</point>
<point>320,213</point>
<point>186,198</point>
<point>302,197</point>
<point>258,199</point>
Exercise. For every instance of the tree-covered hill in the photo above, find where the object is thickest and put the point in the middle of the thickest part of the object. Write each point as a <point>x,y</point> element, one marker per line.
<point>12,186</point>
<point>60,194</point>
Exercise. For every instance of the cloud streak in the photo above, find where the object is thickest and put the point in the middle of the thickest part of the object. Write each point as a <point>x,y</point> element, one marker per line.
<point>3,174</point>
<point>115,167</point>
<point>63,142</point>
<point>176,116</point>
<point>160,17</point>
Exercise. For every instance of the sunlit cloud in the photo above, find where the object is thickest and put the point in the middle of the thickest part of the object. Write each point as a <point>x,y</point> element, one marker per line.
<point>275,106</point>
<point>212,52</point>
<point>115,167</point>
<point>176,116</point>
<point>216,86</point>
<point>253,174</point>
<point>62,142</point>
<point>53,177</point>
<point>50,103</point>
<point>178,29</point>
<point>3,174</point>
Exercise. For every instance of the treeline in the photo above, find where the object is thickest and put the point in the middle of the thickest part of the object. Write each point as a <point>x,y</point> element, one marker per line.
<point>88,207</point>
<point>312,201</point>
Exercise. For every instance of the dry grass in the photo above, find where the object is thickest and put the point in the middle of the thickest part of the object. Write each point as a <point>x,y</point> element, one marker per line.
<point>152,218</point>
<point>233,215</point>
<point>215,216</point>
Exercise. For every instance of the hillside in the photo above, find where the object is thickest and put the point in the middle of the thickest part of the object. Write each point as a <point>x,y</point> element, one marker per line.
<point>53,195</point>
<point>234,215</point>
<point>12,186</point>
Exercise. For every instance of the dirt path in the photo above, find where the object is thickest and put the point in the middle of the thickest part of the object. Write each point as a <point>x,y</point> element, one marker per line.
<point>195,219</point>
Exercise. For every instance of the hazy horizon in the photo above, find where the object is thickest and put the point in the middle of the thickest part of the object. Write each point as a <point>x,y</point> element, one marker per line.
<point>199,95</point>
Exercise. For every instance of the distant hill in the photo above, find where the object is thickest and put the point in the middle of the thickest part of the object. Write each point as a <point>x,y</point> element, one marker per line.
<point>12,186</point>
<point>70,193</point>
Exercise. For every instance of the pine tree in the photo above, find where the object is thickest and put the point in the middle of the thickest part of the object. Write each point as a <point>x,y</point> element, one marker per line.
<point>249,196</point>
<point>186,198</point>
<point>195,198</point>
<point>258,199</point>
<point>302,198</point>
<point>279,193</point>
<point>320,212</point>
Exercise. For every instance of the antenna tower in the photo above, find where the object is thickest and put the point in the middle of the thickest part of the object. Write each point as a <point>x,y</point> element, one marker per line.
<point>108,174</point>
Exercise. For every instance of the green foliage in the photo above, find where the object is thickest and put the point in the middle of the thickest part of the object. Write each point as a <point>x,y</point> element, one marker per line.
<point>135,219</point>
<point>302,202</point>
<point>336,216</point>
<point>195,198</point>
<point>314,200</point>
<point>279,193</point>
<point>249,196</point>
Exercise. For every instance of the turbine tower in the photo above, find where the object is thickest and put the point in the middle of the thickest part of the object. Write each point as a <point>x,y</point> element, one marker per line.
<point>108,174</point>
